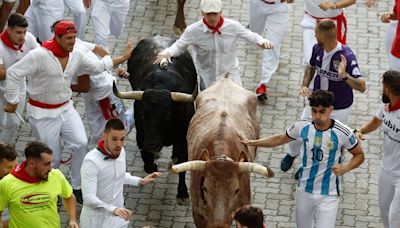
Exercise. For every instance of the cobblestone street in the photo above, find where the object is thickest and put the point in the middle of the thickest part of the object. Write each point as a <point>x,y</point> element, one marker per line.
<point>155,204</point>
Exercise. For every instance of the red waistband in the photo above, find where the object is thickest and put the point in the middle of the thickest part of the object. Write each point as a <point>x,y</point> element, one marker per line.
<point>265,1</point>
<point>44,105</point>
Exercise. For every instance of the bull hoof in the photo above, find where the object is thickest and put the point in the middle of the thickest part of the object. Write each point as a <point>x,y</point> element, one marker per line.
<point>183,201</point>
<point>150,168</point>
<point>178,31</point>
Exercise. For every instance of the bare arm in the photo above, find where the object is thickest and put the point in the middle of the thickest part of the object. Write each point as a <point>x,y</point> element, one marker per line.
<point>356,83</point>
<point>344,3</point>
<point>308,75</point>
<point>83,85</point>
<point>368,127</point>
<point>2,72</point>
<point>70,206</point>
<point>273,141</point>
<point>356,160</point>
<point>127,54</point>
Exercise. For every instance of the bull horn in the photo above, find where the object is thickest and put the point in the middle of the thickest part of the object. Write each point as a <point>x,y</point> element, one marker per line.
<point>187,166</point>
<point>184,97</point>
<point>133,95</point>
<point>255,168</point>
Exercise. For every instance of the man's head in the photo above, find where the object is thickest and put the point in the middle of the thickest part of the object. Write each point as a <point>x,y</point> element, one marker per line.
<point>325,32</point>
<point>321,107</point>
<point>211,11</point>
<point>65,34</point>
<point>114,136</point>
<point>390,85</point>
<point>249,217</point>
<point>38,159</point>
<point>16,28</point>
<point>8,159</point>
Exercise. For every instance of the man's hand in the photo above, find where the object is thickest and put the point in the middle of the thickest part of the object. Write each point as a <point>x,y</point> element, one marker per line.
<point>342,67</point>
<point>73,224</point>
<point>245,140</point>
<point>266,44</point>
<point>326,5</point>
<point>163,55</point>
<point>385,17</point>
<point>340,170</point>
<point>370,3</point>
<point>304,91</point>
<point>87,3</point>
<point>121,72</point>
<point>123,213</point>
<point>10,107</point>
<point>149,178</point>
<point>128,50</point>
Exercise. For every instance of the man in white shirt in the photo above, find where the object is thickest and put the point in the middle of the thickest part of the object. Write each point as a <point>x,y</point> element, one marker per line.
<point>48,70</point>
<point>322,168</point>
<point>388,117</point>
<point>15,43</point>
<point>100,102</point>
<point>103,176</point>
<point>315,10</point>
<point>214,40</point>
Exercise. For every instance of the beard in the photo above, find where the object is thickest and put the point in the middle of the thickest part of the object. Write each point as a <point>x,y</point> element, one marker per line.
<point>385,99</point>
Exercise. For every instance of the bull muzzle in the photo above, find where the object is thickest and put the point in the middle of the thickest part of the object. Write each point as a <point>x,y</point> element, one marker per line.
<point>250,167</point>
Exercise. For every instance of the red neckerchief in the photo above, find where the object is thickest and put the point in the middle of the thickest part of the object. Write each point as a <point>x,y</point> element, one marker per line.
<point>394,107</point>
<point>6,40</point>
<point>20,173</point>
<point>100,147</point>
<point>216,29</point>
<point>53,46</point>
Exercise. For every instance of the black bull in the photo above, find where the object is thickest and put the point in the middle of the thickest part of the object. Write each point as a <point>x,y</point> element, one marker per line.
<point>163,103</point>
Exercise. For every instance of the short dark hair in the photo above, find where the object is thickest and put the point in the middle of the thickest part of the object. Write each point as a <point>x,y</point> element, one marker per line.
<point>321,97</point>
<point>114,124</point>
<point>34,150</point>
<point>250,216</point>
<point>53,26</point>
<point>7,152</point>
<point>327,27</point>
<point>17,20</point>
<point>391,79</point>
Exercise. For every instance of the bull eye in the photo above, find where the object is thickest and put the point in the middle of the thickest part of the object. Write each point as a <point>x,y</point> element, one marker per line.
<point>236,191</point>
<point>203,191</point>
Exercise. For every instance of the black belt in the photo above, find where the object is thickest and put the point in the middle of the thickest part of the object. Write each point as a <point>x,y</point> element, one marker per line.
<point>271,3</point>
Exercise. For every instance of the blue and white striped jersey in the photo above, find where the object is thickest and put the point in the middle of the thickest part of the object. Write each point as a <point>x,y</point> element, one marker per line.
<point>319,152</point>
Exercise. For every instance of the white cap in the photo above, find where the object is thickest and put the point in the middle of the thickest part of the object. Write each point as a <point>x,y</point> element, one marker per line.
<point>211,6</point>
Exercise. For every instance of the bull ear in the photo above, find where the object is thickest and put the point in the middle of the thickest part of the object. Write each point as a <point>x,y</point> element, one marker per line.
<point>204,155</point>
<point>243,157</point>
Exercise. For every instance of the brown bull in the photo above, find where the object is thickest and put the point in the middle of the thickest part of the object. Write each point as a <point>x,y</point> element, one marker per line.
<point>220,164</point>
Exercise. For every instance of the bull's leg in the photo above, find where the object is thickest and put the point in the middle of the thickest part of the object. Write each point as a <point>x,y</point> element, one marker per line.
<point>148,160</point>
<point>180,24</point>
<point>180,150</point>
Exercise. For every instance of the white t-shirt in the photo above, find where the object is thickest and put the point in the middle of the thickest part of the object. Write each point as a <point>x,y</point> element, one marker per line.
<point>391,139</point>
<point>321,150</point>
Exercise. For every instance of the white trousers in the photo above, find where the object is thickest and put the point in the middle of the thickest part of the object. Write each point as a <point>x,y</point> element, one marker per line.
<point>389,199</point>
<point>41,16</point>
<point>315,210</point>
<point>272,18</point>
<point>342,115</point>
<point>68,127</point>
<point>96,120</point>
<point>108,19</point>
<point>77,9</point>
<point>9,122</point>
<point>308,23</point>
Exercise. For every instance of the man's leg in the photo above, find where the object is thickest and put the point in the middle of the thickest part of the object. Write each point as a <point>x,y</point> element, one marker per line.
<point>277,22</point>
<point>95,120</point>
<point>305,209</point>
<point>118,17</point>
<point>394,210</point>
<point>385,195</point>
<point>342,114</point>
<point>46,13</point>
<point>308,23</point>
<point>11,122</point>
<point>47,130</point>
<point>78,12</point>
<point>326,212</point>
<point>101,22</point>
<point>74,136</point>
<point>5,10</point>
